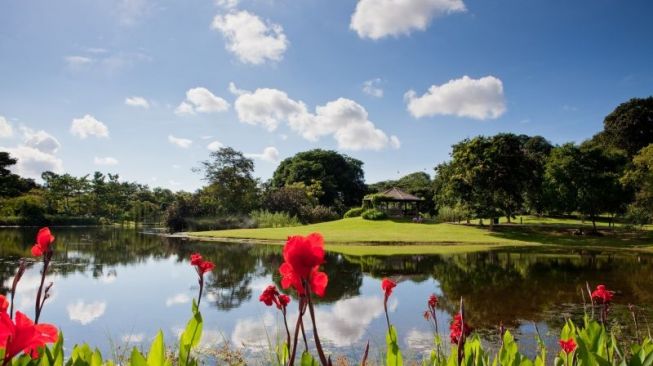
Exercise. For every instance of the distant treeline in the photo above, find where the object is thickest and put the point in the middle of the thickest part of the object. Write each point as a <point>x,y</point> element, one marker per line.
<point>487,177</point>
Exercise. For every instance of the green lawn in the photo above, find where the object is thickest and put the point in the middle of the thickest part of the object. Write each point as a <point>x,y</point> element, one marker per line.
<point>358,236</point>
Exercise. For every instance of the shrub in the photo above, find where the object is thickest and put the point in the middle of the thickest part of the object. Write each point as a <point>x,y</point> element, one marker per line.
<point>374,214</point>
<point>318,213</point>
<point>265,218</point>
<point>354,212</point>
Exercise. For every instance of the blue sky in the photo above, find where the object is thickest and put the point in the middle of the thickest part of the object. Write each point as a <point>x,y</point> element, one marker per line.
<point>142,87</point>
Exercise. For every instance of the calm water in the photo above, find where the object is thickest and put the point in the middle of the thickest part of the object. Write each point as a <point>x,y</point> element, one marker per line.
<point>116,287</point>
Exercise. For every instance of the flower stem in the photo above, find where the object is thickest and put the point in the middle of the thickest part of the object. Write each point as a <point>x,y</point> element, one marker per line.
<point>297,326</point>
<point>47,256</point>
<point>318,345</point>
<point>285,322</point>
<point>201,282</point>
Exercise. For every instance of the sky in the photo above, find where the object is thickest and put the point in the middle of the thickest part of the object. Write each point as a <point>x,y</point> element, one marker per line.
<point>148,88</point>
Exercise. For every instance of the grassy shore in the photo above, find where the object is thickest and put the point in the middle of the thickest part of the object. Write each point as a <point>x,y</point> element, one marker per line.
<point>357,236</point>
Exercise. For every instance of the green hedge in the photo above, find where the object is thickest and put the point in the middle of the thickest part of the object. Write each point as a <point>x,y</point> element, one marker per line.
<point>354,212</point>
<point>374,214</point>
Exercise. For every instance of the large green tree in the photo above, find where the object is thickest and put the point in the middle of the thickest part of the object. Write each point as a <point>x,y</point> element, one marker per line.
<point>341,176</point>
<point>232,188</point>
<point>536,152</point>
<point>585,179</point>
<point>629,127</point>
<point>639,178</point>
<point>12,185</point>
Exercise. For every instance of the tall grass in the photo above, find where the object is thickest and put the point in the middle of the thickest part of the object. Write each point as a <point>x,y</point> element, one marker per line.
<point>267,219</point>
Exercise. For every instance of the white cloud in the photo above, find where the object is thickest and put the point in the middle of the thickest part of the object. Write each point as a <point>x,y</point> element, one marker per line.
<point>201,100</point>
<point>40,140</point>
<point>376,19</point>
<point>137,102</point>
<point>235,91</point>
<point>177,299</point>
<point>270,154</point>
<point>249,38</point>
<point>466,97</point>
<point>78,61</point>
<point>181,142</point>
<point>344,119</point>
<point>267,107</point>
<point>5,128</point>
<point>344,324</point>
<point>32,162</point>
<point>227,4</point>
<point>88,126</point>
<point>247,332</point>
<point>215,145</point>
<point>131,11</point>
<point>372,87</point>
<point>105,161</point>
<point>86,313</point>
<point>133,338</point>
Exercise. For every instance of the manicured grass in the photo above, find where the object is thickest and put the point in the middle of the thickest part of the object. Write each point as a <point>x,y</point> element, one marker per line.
<point>356,236</point>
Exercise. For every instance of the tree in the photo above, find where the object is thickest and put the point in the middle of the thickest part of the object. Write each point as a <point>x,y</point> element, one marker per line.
<point>536,150</point>
<point>342,177</point>
<point>585,179</point>
<point>629,127</point>
<point>232,186</point>
<point>12,185</point>
<point>639,178</point>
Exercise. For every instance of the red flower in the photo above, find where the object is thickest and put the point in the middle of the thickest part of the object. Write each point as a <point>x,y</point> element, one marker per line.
<point>4,304</point>
<point>387,285</point>
<point>568,346</point>
<point>43,240</point>
<point>457,329</point>
<point>24,335</point>
<point>200,264</point>
<point>303,256</point>
<point>603,294</point>
<point>269,296</point>
<point>284,300</point>
<point>427,315</point>
<point>433,301</point>
<point>195,259</point>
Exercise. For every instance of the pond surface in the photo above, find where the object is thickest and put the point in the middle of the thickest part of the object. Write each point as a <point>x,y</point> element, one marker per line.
<point>116,288</point>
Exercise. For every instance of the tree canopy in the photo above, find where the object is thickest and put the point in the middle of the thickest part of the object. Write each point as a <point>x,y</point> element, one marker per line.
<point>629,127</point>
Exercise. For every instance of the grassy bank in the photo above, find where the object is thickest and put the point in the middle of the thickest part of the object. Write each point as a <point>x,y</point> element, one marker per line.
<point>357,236</point>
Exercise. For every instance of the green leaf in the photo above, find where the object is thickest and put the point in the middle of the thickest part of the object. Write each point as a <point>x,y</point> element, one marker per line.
<point>157,354</point>
<point>96,358</point>
<point>393,355</point>
<point>137,358</point>
<point>307,360</point>
<point>191,336</point>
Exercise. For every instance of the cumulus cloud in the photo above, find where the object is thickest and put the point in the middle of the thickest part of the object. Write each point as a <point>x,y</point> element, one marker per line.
<point>177,299</point>
<point>105,161</point>
<point>215,145</point>
<point>372,87</point>
<point>249,38</point>
<point>181,142</point>
<point>344,324</point>
<point>32,162</point>
<point>5,128</point>
<point>201,100</point>
<point>270,154</point>
<point>86,313</point>
<point>267,107</point>
<point>376,19</point>
<point>137,102</point>
<point>466,97</point>
<point>40,140</point>
<point>344,119</point>
<point>88,126</point>
<point>235,90</point>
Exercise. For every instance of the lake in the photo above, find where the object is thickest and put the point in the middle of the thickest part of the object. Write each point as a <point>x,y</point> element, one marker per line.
<point>115,288</point>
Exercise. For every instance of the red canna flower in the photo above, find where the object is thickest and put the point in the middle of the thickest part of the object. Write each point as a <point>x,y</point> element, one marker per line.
<point>433,301</point>
<point>568,346</point>
<point>284,300</point>
<point>269,296</point>
<point>303,256</point>
<point>206,266</point>
<point>43,240</point>
<point>602,294</point>
<point>457,329</point>
<point>24,335</point>
<point>4,304</point>
<point>195,259</point>
<point>387,285</point>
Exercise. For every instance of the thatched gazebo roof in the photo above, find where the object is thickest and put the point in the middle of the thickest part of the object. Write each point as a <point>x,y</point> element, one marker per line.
<point>396,194</point>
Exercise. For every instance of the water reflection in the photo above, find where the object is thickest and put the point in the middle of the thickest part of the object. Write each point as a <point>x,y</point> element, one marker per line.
<point>101,273</point>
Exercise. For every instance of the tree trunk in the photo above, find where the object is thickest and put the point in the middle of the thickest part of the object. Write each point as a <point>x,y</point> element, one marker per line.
<point>593,224</point>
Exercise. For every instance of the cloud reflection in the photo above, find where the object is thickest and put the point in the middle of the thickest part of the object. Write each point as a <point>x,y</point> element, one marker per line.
<point>177,299</point>
<point>86,313</point>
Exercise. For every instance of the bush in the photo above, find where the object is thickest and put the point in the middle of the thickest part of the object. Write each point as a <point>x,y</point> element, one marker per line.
<point>319,213</point>
<point>374,214</point>
<point>451,214</point>
<point>265,218</point>
<point>354,212</point>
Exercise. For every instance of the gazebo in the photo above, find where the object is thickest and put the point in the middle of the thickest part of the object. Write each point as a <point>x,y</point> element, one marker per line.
<point>394,202</point>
